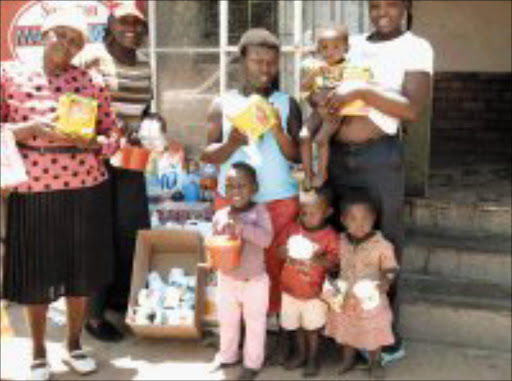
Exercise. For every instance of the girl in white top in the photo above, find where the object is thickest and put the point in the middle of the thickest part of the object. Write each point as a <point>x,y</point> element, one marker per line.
<point>366,152</point>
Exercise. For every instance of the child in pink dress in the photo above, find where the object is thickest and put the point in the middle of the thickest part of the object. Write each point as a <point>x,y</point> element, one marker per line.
<point>243,293</point>
<point>367,255</point>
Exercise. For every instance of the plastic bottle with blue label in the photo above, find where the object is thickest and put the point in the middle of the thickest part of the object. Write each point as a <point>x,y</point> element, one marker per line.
<point>190,185</point>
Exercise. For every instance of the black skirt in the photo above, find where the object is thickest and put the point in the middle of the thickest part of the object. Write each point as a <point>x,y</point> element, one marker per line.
<point>58,244</point>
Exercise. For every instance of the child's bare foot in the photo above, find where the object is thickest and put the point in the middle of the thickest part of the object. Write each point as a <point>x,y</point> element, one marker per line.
<point>294,363</point>
<point>377,372</point>
<point>277,358</point>
<point>312,369</point>
<point>346,365</point>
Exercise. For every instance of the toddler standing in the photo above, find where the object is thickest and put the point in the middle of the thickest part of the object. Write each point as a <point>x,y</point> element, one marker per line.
<point>244,291</point>
<point>309,247</point>
<point>363,323</point>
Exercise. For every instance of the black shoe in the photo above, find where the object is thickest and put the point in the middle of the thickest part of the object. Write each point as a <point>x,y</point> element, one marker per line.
<point>104,331</point>
<point>247,374</point>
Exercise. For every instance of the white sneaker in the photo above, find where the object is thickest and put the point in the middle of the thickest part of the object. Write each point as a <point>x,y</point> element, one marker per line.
<point>40,370</point>
<point>80,362</point>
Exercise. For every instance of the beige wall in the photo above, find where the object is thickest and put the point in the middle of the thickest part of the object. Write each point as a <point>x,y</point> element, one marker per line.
<point>466,35</point>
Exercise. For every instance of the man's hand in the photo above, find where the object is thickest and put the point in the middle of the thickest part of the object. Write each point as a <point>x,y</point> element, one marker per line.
<point>237,138</point>
<point>276,128</point>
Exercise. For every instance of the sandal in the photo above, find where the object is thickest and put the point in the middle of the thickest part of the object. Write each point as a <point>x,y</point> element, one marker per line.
<point>80,362</point>
<point>39,370</point>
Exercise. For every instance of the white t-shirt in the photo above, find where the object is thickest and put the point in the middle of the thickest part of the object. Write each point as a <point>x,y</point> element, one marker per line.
<point>389,61</point>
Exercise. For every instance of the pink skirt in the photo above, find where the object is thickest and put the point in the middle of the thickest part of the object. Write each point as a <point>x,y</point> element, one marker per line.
<point>361,329</point>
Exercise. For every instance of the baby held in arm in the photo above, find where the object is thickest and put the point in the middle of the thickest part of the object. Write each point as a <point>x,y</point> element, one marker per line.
<point>328,71</point>
<point>321,73</point>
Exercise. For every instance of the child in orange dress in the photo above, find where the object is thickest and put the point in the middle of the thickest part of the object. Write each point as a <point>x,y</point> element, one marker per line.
<point>368,256</point>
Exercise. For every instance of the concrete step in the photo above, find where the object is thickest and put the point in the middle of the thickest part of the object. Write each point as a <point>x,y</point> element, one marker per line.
<point>478,218</point>
<point>486,258</point>
<point>457,312</point>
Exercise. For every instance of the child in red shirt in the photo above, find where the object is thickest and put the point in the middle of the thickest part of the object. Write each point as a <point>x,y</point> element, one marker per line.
<point>310,247</point>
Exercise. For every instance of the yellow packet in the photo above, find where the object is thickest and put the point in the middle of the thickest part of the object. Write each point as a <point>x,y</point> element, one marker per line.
<point>256,118</point>
<point>77,115</point>
<point>360,74</point>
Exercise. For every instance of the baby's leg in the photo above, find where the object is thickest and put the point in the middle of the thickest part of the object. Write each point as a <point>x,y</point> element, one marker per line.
<point>348,359</point>
<point>375,367</point>
<point>329,128</point>
<point>311,126</point>
<point>306,154</point>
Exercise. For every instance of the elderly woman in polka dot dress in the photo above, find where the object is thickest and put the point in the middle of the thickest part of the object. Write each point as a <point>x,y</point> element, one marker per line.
<point>59,238</point>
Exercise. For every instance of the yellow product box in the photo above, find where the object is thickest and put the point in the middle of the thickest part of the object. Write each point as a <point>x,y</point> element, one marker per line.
<point>356,74</point>
<point>256,118</point>
<point>77,115</point>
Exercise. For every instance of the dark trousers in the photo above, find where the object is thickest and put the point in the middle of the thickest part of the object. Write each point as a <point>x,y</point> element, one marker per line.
<point>377,168</point>
<point>130,214</point>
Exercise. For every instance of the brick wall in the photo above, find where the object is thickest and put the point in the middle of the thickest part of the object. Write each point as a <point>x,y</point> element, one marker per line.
<point>472,117</point>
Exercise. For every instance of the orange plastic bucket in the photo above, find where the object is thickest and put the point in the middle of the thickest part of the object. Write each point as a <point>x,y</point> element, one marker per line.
<point>223,252</point>
<point>135,158</point>
<point>139,158</point>
<point>126,153</point>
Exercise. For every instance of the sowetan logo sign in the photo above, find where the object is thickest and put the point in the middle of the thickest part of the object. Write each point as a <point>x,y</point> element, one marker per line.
<point>25,31</point>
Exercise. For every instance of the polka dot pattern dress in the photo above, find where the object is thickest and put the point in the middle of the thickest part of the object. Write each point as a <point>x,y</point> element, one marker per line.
<point>28,94</point>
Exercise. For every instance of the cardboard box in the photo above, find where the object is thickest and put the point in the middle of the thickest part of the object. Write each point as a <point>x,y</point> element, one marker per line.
<point>160,250</point>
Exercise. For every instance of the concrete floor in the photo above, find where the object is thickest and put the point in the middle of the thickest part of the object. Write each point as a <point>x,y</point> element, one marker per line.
<point>140,359</point>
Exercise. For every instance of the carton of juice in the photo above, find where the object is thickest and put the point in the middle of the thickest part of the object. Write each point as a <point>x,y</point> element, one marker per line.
<point>255,118</point>
<point>77,115</point>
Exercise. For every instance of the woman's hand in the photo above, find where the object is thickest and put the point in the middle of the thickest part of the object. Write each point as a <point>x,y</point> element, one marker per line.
<point>344,94</point>
<point>25,131</point>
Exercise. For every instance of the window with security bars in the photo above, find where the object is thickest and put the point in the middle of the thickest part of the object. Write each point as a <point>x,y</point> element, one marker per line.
<point>193,49</point>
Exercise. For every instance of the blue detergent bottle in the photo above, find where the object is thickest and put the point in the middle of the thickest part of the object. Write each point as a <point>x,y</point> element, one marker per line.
<point>191,188</point>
